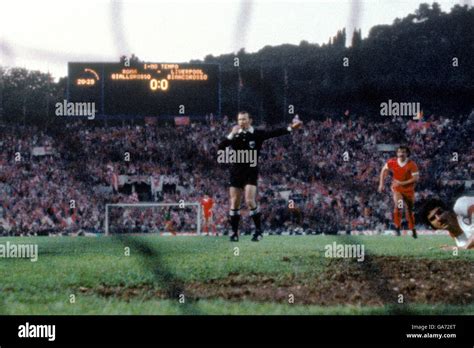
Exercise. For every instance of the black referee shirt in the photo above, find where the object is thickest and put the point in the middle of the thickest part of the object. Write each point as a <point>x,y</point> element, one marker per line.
<point>251,139</point>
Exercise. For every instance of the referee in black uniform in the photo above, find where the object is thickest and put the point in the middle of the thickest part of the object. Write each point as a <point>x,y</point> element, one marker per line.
<point>243,176</point>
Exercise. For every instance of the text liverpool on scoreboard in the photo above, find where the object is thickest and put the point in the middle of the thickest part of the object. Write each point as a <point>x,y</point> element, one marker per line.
<point>146,89</point>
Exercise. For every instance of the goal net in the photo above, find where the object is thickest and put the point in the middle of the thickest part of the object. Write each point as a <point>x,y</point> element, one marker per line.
<point>163,218</point>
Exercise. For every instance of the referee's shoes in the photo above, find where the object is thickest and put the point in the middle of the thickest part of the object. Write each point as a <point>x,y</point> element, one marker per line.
<point>257,236</point>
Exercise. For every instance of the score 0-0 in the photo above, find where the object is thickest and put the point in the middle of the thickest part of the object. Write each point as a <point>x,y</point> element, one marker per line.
<point>159,84</point>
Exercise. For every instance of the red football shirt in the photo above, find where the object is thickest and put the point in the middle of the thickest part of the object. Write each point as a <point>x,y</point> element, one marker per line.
<point>207,204</point>
<point>402,172</point>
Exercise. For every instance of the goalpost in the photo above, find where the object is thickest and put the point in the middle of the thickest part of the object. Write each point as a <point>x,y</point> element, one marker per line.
<point>151,205</point>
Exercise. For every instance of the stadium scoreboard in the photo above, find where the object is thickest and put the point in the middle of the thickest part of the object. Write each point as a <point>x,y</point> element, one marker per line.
<point>146,89</point>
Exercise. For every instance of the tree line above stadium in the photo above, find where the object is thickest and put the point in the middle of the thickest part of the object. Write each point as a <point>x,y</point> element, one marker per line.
<point>424,57</point>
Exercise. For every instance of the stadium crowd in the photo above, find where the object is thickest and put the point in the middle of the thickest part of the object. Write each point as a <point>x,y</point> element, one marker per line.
<point>322,179</point>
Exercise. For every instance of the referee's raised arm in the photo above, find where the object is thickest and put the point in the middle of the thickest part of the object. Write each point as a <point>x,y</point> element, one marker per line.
<point>296,123</point>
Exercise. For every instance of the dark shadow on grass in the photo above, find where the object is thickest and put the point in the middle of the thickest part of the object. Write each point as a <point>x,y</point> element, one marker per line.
<point>153,261</point>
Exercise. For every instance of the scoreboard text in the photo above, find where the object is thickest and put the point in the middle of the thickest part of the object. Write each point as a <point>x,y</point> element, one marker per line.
<point>146,89</point>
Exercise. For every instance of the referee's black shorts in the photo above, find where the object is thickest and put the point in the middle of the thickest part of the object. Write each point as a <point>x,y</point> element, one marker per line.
<point>240,177</point>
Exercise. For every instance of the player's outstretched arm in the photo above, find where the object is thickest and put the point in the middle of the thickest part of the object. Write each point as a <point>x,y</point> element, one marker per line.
<point>383,175</point>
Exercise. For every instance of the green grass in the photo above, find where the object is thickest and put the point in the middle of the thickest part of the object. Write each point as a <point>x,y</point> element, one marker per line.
<point>65,264</point>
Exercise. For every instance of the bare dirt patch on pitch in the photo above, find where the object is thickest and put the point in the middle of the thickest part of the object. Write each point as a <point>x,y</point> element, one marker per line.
<point>376,281</point>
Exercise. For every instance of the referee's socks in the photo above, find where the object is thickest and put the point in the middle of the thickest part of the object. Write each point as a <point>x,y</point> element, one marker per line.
<point>234,220</point>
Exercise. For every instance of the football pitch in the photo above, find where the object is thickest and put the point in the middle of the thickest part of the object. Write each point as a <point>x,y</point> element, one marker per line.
<point>183,275</point>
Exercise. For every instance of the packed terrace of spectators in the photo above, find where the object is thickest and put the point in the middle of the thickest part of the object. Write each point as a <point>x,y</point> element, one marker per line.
<point>329,171</point>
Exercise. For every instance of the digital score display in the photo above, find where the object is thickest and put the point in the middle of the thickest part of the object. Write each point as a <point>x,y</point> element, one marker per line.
<point>146,89</point>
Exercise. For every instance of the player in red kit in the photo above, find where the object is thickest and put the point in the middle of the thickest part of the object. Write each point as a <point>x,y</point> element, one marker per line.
<point>207,203</point>
<point>404,177</point>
